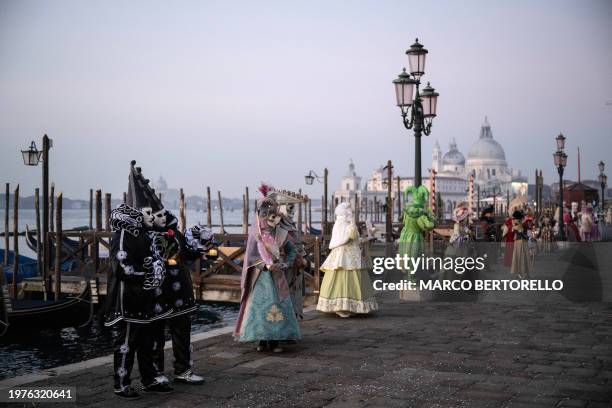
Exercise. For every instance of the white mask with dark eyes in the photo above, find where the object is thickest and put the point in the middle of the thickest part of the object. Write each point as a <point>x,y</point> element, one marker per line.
<point>147,216</point>
<point>160,219</point>
<point>273,220</point>
<point>290,210</point>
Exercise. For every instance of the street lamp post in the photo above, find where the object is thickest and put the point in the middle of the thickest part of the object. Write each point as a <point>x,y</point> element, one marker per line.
<point>603,182</point>
<point>560,162</point>
<point>309,179</point>
<point>389,215</point>
<point>418,108</point>
<point>31,157</point>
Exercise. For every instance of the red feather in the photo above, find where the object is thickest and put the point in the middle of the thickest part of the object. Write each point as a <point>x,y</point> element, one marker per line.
<point>264,189</point>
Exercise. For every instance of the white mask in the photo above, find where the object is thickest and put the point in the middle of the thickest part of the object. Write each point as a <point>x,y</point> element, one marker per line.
<point>160,218</point>
<point>273,220</point>
<point>147,216</point>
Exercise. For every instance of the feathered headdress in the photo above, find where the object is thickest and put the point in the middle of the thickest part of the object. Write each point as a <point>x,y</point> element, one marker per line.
<point>264,189</point>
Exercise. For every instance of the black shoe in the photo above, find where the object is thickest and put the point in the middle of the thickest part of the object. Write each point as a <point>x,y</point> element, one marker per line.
<point>127,393</point>
<point>157,388</point>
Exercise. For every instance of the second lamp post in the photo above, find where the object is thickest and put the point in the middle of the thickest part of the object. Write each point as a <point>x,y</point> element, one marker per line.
<point>560,163</point>
<point>418,107</point>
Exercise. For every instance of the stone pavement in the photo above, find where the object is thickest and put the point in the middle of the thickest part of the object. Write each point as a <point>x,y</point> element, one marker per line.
<point>414,354</point>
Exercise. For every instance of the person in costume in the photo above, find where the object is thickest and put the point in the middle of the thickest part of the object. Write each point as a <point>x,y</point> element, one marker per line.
<point>508,238</point>
<point>294,274</point>
<point>547,236</point>
<point>346,288</point>
<point>587,224</point>
<point>417,219</point>
<point>489,236</point>
<point>461,245</point>
<point>178,251</point>
<point>134,300</point>
<point>570,218</point>
<point>266,313</point>
<point>521,264</point>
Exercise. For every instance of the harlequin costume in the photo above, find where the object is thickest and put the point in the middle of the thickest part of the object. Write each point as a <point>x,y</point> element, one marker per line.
<point>178,251</point>
<point>266,313</point>
<point>346,288</point>
<point>134,300</point>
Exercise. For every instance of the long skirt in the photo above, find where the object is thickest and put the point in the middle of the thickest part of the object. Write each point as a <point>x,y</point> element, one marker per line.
<point>347,291</point>
<point>266,316</point>
<point>521,264</point>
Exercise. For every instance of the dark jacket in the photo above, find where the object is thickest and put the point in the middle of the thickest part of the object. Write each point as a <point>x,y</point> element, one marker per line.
<point>134,284</point>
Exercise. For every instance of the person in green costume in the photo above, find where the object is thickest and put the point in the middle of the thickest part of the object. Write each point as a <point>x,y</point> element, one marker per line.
<point>417,219</point>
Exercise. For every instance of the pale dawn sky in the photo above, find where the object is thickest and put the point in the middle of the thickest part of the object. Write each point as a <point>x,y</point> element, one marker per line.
<point>228,94</point>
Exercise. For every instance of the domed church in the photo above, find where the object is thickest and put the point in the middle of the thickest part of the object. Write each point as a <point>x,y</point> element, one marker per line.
<point>486,160</point>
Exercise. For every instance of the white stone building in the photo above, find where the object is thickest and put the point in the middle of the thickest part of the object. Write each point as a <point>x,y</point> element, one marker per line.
<point>486,160</point>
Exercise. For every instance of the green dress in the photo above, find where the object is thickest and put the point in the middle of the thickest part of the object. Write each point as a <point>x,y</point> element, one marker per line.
<point>417,219</point>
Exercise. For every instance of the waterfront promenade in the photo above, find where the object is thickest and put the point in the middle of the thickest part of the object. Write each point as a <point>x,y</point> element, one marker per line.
<point>523,350</point>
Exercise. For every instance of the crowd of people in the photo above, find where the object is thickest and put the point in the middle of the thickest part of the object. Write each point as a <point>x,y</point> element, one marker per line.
<point>150,287</point>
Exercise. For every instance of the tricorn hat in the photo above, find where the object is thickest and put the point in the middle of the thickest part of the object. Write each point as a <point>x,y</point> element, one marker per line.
<point>140,194</point>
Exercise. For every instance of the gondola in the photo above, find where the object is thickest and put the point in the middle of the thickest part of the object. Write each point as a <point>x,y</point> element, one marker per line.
<point>69,246</point>
<point>25,315</point>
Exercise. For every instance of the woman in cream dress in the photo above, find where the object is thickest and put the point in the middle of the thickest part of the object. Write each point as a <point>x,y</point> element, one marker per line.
<point>346,287</point>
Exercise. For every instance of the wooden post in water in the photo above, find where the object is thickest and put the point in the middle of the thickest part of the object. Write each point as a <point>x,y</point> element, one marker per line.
<point>124,197</point>
<point>58,249</point>
<point>38,243</point>
<point>96,247</point>
<point>299,219</point>
<point>317,264</point>
<point>248,204</point>
<point>399,200</point>
<point>325,205</point>
<point>51,210</point>
<point>15,240</point>
<point>308,215</point>
<point>107,211</point>
<point>182,215</point>
<point>91,198</point>
<point>389,203</point>
<point>7,207</point>
<point>244,215</point>
<point>221,212</point>
<point>208,208</point>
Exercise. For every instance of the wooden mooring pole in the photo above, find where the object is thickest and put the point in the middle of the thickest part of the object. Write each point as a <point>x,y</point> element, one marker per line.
<point>107,211</point>
<point>58,249</point>
<point>51,210</point>
<point>15,240</point>
<point>91,208</point>
<point>41,271</point>
<point>245,227</point>
<point>208,208</point>
<point>221,212</point>
<point>7,208</point>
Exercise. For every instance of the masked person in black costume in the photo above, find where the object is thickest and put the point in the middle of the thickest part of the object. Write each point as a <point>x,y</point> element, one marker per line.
<point>179,251</point>
<point>134,300</point>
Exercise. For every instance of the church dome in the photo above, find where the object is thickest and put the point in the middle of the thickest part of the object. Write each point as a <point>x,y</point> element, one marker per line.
<point>486,148</point>
<point>453,157</point>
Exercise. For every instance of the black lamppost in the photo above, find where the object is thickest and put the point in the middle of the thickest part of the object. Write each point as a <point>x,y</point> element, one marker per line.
<point>31,157</point>
<point>423,104</point>
<point>560,163</point>
<point>309,179</point>
<point>603,182</point>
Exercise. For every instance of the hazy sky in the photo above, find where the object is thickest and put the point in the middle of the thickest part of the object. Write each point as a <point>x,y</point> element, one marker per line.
<point>230,93</point>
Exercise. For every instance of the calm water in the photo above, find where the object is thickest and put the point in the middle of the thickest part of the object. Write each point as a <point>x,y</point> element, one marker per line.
<point>43,350</point>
